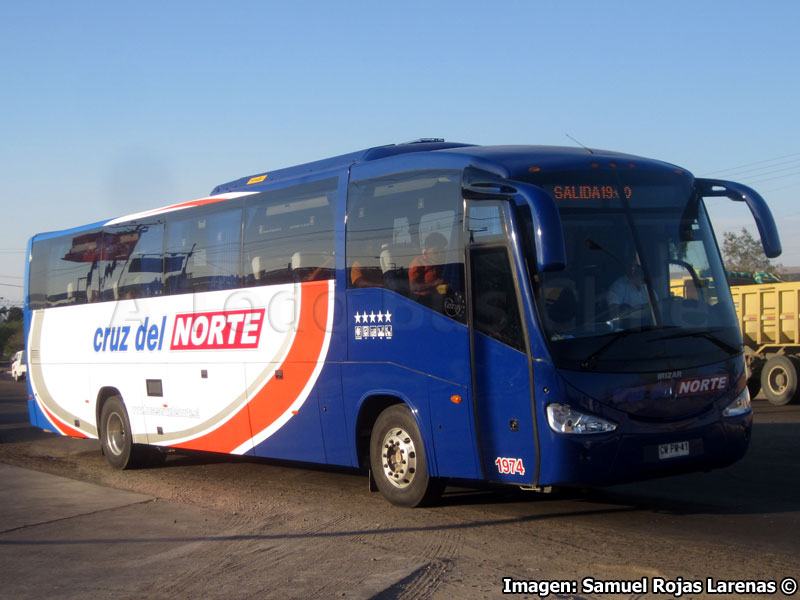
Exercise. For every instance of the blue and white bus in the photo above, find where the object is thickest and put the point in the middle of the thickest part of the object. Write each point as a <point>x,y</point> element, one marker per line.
<point>424,312</point>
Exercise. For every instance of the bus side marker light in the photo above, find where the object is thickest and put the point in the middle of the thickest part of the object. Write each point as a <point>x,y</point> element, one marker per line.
<point>455,399</point>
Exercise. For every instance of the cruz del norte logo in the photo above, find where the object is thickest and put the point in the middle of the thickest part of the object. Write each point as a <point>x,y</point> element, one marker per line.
<point>219,330</point>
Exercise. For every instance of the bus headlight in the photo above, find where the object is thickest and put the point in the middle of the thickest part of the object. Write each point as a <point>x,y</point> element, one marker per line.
<point>740,406</point>
<point>565,419</point>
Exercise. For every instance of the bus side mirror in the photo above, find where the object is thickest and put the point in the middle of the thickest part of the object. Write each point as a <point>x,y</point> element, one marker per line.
<point>767,229</point>
<point>548,232</point>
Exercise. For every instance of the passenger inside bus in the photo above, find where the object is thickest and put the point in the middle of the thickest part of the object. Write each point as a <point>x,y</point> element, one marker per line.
<point>365,275</point>
<point>426,272</point>
<point>628,293</point>
<point>313,266</point>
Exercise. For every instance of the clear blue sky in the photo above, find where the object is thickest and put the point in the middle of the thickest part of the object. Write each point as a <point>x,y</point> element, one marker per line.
<point>108,108</point>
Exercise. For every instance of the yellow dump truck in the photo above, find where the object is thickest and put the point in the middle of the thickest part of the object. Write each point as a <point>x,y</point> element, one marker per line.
<point>769,317</point>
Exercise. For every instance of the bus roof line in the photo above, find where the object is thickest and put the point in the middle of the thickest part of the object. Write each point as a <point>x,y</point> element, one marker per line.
<point>334,163</point>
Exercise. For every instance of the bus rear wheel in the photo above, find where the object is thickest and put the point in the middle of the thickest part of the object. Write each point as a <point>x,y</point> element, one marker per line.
<point>397,458</point>
<point>116,436</point>
<point>779,379</point>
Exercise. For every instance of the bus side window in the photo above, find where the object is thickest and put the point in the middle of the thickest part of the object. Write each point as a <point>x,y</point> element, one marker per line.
<point>390,221</point>
<point>485,222</point>
<point>495,308</point>
<point>204,251</point>
<point>69,270</point>
<point>37,277</point>
<point>131,265</point>
<point>288,234</point>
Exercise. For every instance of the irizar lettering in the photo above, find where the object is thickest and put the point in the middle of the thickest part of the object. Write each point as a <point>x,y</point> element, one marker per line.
<point>669,375</point>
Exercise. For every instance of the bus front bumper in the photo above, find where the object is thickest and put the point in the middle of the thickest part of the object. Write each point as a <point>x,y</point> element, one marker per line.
<point>644,451</point>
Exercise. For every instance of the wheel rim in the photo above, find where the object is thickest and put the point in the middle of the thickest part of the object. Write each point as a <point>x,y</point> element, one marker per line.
<point>399,457</point>
<point>115,434</point>
<point>778,380</point>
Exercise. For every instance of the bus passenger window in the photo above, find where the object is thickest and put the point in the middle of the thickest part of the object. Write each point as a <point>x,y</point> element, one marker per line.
<point>132,263</point>
<point>288,234</point>
<point>67,270</point>
<point>404,233</point>
<point>202,251</point>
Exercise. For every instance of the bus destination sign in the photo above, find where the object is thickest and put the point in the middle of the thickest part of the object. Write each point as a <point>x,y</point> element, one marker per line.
<point>589,192</point>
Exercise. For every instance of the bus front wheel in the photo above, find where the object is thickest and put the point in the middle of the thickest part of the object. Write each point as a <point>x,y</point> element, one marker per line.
<point>397,458</point>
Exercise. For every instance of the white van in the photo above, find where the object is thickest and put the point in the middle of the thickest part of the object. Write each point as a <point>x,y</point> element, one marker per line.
<point>19,366</point>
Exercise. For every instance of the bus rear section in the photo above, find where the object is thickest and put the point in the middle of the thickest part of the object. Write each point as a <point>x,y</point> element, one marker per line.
<point>427,312</point>
<point>198,324</point>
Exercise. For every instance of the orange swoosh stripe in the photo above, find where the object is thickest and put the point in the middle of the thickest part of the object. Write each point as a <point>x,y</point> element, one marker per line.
<point>277,395</point>
<point>62,427</point>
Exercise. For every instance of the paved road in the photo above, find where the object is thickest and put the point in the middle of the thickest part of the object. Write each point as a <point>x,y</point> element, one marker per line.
<point>210,526</point>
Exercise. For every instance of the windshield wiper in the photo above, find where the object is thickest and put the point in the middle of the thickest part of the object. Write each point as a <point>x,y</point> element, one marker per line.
<point>618,335</point>
<point>706,335</point>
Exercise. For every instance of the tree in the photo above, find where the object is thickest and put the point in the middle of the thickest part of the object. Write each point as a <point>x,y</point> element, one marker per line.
<point>742,252</point>
<point>14,314</point>
<point>11,337</point>
<point>11,334</point>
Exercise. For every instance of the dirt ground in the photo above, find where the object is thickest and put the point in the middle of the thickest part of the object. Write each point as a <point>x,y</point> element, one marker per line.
<point>276,530</point>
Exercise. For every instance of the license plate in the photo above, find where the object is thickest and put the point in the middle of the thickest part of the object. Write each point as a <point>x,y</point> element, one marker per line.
<point>673,450</point>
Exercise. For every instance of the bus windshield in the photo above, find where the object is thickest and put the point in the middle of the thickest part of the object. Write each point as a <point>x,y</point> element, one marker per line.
<point>644,286</point>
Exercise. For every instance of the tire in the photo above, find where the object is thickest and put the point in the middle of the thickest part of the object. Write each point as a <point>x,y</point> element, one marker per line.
<point>754,382</point>
<point>779,379</point>
<point>116,437</point>
<point>754,385</point>
<point>398,461</point>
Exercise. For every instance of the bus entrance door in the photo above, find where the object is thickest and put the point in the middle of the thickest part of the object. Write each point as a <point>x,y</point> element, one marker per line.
<point>500,369</point>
